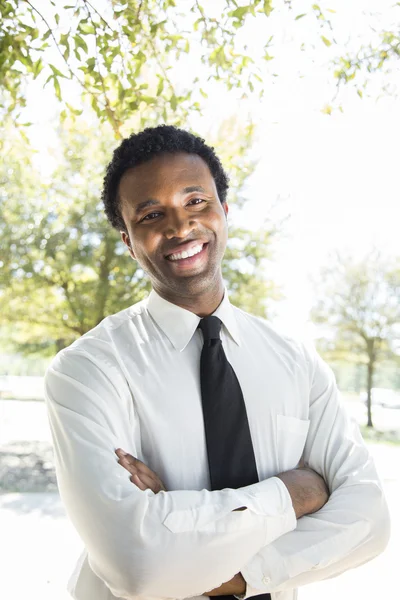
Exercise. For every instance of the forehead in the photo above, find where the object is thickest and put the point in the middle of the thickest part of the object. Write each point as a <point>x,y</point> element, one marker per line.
<point>163,175</point>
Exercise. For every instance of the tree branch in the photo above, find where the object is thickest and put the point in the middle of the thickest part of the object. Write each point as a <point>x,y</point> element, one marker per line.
<point>110,112</point>
<point>71,72</point>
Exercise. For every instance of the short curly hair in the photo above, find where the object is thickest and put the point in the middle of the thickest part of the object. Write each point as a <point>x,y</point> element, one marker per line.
<point>145,145</point>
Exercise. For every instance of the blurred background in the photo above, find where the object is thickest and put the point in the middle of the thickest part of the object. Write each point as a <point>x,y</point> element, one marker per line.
<point>301,102</point>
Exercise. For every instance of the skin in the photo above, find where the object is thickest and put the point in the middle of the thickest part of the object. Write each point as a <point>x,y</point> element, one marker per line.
<point>174,219</point>
<point>307,490</point>
<point>162,216</point>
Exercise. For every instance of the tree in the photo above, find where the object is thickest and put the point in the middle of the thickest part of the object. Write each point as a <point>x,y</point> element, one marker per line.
<point>64,271</point>
<point>121,54</point>
<point>65,268</point>
<point>358,309</point>
<point>376,56</point>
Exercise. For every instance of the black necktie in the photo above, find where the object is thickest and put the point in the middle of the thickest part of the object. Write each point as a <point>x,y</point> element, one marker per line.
<point>230,451</point>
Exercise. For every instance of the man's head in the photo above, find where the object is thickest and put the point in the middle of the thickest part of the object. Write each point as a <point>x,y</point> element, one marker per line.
<point>165,191</point>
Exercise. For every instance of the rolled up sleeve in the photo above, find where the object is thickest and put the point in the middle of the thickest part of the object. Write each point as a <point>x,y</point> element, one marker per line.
<point>353,527</point>
<point>140,543</point>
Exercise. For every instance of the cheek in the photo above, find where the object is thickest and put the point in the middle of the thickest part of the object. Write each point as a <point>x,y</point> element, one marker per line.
<point>144,246</point>
<point>220,225</point>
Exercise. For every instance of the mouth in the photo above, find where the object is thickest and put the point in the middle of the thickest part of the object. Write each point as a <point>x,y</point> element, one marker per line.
<point>191,255</point>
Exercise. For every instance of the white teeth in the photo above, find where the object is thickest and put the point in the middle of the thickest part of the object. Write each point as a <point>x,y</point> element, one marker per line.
<point>186,253</point>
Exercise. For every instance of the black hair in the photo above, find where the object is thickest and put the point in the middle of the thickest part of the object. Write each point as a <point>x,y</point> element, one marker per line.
<point>145,145</point>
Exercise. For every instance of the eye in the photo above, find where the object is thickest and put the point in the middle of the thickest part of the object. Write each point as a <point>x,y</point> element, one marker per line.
<point>196,201</point>
<point>150,216</point>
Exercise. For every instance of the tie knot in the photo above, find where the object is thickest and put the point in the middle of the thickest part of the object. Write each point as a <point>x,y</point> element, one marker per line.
<point>211,328</point>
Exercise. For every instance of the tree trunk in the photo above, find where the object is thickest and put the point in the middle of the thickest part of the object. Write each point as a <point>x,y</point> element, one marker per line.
<point>370,377</point>
<point>60,344</point>
<point>104,282</point>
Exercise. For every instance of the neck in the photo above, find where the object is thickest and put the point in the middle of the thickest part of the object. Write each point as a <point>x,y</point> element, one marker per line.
<point>201,304</point>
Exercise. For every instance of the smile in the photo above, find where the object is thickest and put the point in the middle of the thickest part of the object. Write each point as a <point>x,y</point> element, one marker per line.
<point>192,258</point>
<point>186,253</point>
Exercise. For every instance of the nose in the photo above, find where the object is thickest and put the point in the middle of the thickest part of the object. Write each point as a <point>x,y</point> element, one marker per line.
<point>179,224</point>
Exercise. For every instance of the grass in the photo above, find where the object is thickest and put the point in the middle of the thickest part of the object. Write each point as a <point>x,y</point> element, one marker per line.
<point>380,437</point>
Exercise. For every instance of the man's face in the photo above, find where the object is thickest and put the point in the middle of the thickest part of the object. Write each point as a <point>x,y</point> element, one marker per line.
<point>176,224</point>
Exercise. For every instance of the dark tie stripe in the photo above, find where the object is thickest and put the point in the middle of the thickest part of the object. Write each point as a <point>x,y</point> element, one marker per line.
<point>230,451</point>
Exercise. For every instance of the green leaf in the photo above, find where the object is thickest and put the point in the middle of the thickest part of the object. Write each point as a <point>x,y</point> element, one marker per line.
<point>267,7</point>
<point>359,92</point>
<point>37,67</point>
<point>160,86</point>
<point>75,111</point>
<point>57,18</point>
<point>91,63</point>
<point>46,35</point>
<point>174,102</point>
<point>326,41</point>
<point>80,43</point>
<point>64,39</point>
<point>57,88</point>
<point>56,72</point>
<point>86,28</point>
<point>239,13</point>
<point>327,110</point>
<point>300,16</point>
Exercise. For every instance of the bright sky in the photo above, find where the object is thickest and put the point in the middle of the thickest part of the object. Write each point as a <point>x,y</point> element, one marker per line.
<point>337,176</point>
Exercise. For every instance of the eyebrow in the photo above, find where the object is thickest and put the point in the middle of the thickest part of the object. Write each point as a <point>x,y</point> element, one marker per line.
<point>193,188</point>
<point>152,202</point>
<point>143,205</point>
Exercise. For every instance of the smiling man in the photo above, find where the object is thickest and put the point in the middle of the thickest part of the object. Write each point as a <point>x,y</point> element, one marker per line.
<point>198,451</point>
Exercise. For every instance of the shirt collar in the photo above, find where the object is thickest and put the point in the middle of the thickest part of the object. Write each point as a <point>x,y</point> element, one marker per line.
<point>179,324</point>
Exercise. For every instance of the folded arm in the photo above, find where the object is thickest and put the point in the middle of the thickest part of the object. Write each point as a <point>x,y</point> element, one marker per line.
<point>352,527</point>
<point>308,493</point>
<point>167,544</point>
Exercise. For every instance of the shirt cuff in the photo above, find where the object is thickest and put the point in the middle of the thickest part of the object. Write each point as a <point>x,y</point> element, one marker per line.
<point>269,498</point>
<point>257,573</point>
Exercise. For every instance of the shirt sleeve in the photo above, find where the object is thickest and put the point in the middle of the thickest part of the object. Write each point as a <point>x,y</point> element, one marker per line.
<point>139,543</point>
<point>353,526</point>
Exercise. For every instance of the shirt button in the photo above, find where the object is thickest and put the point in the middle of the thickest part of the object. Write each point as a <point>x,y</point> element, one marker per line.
<point>266,580</point>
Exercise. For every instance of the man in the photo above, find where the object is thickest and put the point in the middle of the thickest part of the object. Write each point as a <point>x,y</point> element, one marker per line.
<point>192,441</point>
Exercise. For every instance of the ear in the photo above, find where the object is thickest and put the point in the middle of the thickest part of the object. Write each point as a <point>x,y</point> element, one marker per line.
<point>127,242</point>
<point>226,208</point>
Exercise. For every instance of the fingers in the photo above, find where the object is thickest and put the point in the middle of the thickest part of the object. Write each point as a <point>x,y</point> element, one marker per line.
<point>134,465</point>
<point>145,483</point>
<point>141,475</point>
<point>136,480</point>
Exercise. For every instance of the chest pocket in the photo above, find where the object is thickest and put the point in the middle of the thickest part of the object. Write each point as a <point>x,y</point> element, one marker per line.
<point>291,436</point>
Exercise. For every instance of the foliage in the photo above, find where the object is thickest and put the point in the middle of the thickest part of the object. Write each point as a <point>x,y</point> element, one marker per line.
<point>379,55</point>
<point>65,268</point>
<point>358,308</point>
<point>372,436</point>
<point>121,54</point>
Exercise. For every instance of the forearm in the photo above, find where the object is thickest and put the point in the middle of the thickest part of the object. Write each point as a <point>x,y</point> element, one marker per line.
<point>353,527</point>
<point>308,494</point>
<point>235,587</point>
<point>141,543</point>
<point>324,545</point>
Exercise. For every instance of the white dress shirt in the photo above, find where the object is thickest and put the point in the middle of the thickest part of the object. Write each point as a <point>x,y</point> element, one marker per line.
<point>133,382</point>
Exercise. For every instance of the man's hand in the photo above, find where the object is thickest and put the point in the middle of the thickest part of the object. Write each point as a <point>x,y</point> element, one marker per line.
<point>235,587</point>
<point>143,477</point>
<point>307,490</point>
